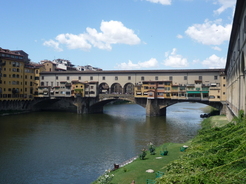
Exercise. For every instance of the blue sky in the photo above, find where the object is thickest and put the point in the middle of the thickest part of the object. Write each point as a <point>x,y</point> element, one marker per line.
<point>120,34</point>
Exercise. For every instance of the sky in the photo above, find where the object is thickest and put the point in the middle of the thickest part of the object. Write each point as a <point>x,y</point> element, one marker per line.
<point>120,34</point>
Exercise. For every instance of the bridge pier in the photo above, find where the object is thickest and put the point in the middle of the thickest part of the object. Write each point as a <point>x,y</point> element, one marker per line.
<point>153,108</point>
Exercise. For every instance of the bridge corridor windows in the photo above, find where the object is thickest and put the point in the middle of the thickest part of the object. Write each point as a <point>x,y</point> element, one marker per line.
<point>129,78</point>
<point>129,88</point>
<point>116,88</point>
<point>103,88</point>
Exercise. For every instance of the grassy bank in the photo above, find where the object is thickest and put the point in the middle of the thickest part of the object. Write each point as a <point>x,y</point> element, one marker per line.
<point>137,169</point>
<point>216,155</point>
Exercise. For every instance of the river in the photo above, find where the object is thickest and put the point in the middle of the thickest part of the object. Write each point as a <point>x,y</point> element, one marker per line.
<point>63,147</point>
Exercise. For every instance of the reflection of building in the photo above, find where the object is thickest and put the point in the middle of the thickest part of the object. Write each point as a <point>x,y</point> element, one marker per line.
<point>235,65</point>
<point>17,76</point>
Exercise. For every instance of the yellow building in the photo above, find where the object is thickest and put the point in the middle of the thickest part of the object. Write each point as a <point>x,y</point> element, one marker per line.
<point>38,68</point>
<point>78,89</point>
<point>16,81</point>
<point>217,91</point>
<point>29,82</point>
<point>167,88</point>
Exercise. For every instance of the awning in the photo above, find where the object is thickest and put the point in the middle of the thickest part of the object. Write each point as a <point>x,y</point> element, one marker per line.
<point>196,92</point>
<point>193,92</point>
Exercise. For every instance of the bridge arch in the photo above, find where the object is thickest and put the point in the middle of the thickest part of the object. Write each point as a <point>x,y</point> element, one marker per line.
<point>116,88</point>
<point>128,88</point>
<point>104,88</point>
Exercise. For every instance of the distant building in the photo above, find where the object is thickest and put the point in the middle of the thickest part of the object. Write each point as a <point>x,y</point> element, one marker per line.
<point>58,65</point>
<point>88,68</point>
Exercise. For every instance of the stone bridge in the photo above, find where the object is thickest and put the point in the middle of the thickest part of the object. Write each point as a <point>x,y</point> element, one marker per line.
<point>84,105</point>
<point>154,107</point>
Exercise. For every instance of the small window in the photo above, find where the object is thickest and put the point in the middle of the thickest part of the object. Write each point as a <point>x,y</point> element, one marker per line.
<point>129,78</point>
<point>42,77</point>
<point>142,78</point>
<point>116,78</point>
<point>185,77</point>
<point>56,77</point>
<point>103,78</point>
<point>200,78</point>
<point>170,78</point>
<point>79,77</point>
<point>68,78</point>
<point>156,77</point>
<point>91,77</point>
<point>215,77</point>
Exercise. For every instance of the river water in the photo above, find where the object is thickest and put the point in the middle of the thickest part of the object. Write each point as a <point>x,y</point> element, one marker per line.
<point>62,148</point>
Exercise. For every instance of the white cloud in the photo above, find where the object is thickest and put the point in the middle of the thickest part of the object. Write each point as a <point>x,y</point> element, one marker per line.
<point>73,41</point>
<point>210,32</point>
<point>179,36</point>
<point>214,62</point>
<point>112,32</point>
<point>175,60</point>
<point>152,63</point>
<point>216,48</point>
<point>54,44</point>
<point>224,5</point>
<point>163,2</point>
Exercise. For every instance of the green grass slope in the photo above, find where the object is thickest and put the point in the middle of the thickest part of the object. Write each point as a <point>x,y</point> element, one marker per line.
<point>216,155</point>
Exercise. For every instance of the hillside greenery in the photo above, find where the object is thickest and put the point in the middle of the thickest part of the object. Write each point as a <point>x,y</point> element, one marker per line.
<point>216,155</point>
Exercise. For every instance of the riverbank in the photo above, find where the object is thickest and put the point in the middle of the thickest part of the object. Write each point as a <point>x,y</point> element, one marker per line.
<point>215,155</point>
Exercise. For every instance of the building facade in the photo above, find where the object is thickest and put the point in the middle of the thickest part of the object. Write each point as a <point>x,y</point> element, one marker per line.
<point>16,76</point>
<point>203,84</point>
<point>235,65</point>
